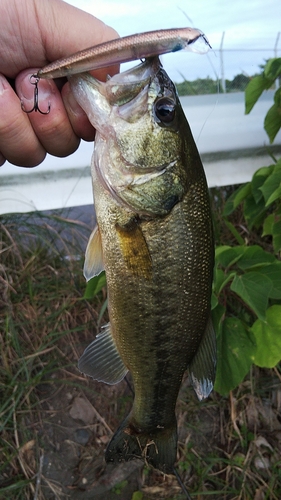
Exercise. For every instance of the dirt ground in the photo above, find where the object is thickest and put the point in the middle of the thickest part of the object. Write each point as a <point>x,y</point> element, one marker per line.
<point>76,425</point>
<point>74,435</point>
<point>74,428</point>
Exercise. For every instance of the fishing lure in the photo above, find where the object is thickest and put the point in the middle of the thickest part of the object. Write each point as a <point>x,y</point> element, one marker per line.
<point>120,50</point>
<point>128,48</point>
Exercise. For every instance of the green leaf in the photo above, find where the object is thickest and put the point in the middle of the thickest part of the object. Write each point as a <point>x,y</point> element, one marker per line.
<point>236,198</point>
<point>15,486</point>
<point>227,256</point>
<point>214,301</point>
<point>236,349</point>
<point>268,225</point>
<point>272,69</point>
<point>277,236</point>
<point>221,279</point>
<point>94,286</point>
<point>271,187</point>
<point>137,495</point>
<point>217,318</point>
<point>258,180</point>
<point>102,311</point>
<point>268,338</point>
<point>273,272</point>
<point>272,227</point>
<point>254,212</point>
<point>272,121</point>
<point>254,256</point>
<point>234,231</point>
<point>254,90</point>
<point>254,289</point>
<point>274,196</point>
<point>277,97</point>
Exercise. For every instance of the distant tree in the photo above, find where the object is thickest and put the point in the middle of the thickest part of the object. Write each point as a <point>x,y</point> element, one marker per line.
<point>239,83</point>
<point>208,86</point>
<point>197,87</point>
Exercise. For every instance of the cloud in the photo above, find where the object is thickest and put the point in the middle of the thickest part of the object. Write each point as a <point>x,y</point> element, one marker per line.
<point>248,26</point>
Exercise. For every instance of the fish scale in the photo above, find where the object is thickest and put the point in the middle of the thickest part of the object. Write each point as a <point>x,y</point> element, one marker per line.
<point>154,240</point>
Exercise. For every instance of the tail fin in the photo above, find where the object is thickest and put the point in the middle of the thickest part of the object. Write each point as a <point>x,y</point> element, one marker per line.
<point>157,448</point>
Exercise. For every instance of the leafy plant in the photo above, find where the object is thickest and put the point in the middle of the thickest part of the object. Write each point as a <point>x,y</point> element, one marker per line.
<point>247,286</point>
<point>94,286</point>
<point>255,88</point>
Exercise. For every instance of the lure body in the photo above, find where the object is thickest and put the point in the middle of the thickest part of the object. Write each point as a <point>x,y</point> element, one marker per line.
<point>128,48</point>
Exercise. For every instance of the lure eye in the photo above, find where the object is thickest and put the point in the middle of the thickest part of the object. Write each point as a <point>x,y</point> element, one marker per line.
<point>165,110</point>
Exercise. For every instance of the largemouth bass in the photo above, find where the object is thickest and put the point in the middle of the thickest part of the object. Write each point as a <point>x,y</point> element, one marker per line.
<point>154,239</point>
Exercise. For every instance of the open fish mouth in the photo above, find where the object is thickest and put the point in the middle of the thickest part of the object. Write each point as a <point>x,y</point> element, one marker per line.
<point>125,86</point>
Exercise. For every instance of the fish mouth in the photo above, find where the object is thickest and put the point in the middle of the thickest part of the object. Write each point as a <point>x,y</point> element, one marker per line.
<point>124,87</point>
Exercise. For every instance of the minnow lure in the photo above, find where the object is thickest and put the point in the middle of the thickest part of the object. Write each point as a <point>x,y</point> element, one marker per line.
<point>120,50</point>
<point>128,48</point>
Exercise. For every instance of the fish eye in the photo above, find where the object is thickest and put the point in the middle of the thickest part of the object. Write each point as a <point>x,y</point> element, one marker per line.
<point>165,110</point>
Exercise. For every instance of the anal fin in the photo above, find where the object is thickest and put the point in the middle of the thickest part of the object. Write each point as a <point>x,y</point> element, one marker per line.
<point>101,360</point>
<point>202,368</point>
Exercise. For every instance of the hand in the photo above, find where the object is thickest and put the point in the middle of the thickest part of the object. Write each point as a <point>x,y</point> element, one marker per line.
<point>34,33</point>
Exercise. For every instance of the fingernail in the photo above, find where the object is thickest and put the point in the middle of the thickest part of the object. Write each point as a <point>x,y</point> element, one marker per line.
<point>71,104</point>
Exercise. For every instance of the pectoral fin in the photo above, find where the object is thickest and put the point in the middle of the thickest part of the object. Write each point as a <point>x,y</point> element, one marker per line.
<point>101,360</point>
<point>93,265</point>
<point>134,249</point>
<point>202,368</point>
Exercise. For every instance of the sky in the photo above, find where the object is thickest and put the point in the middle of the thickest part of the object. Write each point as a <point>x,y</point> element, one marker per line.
<point>250,30</point>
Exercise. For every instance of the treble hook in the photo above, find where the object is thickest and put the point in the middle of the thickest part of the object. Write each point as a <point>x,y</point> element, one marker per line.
<point>36,100</point>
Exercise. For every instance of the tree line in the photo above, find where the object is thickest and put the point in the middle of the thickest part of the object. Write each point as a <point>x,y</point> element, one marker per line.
<point>210,86</point>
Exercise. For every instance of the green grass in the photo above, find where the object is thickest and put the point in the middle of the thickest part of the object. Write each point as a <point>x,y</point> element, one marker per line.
<point>40,313</point>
